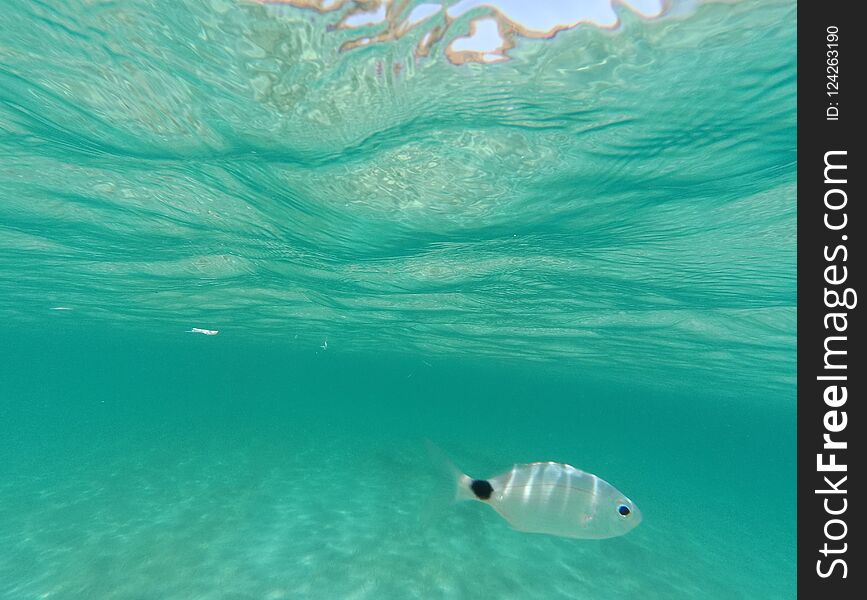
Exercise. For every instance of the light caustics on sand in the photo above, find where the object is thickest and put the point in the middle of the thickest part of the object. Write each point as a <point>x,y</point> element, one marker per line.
<point>470,30</point>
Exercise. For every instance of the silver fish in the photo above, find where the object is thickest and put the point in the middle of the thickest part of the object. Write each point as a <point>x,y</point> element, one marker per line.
<point>554,498</point>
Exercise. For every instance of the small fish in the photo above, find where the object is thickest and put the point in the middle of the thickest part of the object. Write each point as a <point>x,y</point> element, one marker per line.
<point>203,331</point>
<point>554,498</point>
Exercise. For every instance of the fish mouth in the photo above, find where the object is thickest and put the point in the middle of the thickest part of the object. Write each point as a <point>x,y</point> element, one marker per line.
<point>636,516</point>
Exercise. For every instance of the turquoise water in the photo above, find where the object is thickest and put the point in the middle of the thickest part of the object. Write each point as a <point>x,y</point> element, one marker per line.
<point>584,253</point>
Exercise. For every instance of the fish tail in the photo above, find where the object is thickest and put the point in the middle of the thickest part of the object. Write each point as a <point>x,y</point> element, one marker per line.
<point>461,480</point>
<point>463,490</point>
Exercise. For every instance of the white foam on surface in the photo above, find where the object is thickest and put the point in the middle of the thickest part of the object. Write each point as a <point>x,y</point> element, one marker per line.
<point>422,12</point>
<point>485,38</point>
<point>364,19</point>
<point>486,44</point>
<point>545,16</point>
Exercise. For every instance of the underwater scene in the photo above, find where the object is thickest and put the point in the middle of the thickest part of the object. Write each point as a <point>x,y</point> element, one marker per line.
<point>290,290</point>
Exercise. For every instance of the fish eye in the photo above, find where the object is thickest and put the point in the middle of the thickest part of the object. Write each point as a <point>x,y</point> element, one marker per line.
<point>623,510</point>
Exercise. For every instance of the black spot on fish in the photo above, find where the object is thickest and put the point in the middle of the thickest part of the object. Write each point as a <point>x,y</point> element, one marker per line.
<point>482,489</point>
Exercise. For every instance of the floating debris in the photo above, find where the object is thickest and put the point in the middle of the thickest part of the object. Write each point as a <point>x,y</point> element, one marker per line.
<point>203,331</point>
